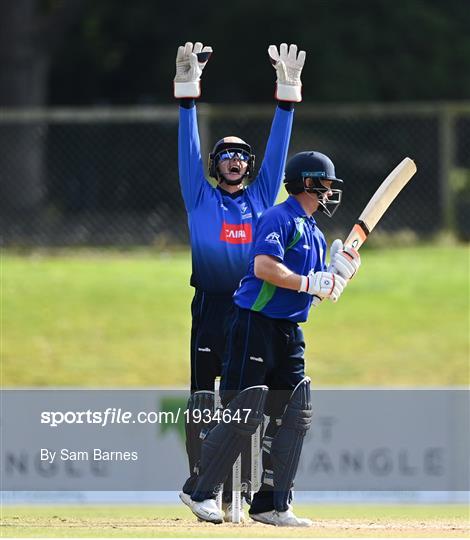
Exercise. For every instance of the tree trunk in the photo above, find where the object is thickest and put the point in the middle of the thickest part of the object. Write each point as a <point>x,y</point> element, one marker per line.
<point>28,39</point>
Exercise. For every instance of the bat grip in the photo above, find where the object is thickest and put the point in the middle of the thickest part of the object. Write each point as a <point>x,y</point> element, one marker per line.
<point>316,301</point>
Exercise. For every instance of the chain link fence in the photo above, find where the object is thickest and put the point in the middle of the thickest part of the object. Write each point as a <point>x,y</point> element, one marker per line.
<point>110,176</point>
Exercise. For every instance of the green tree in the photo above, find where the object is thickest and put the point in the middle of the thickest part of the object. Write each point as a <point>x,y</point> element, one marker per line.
<point>30,34</point>
<point>357,50</point>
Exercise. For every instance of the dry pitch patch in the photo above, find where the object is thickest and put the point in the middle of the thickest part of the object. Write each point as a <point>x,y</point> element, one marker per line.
<point>170,521</point>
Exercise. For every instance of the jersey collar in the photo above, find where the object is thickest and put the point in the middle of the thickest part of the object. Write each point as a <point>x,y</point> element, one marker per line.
<point>297,207</point>
<point>233,195</point>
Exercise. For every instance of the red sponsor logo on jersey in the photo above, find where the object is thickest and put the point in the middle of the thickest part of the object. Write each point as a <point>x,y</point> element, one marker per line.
<point>236,234</point>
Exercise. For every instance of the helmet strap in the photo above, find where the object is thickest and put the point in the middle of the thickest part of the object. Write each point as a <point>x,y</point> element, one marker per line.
<point>221,178</point>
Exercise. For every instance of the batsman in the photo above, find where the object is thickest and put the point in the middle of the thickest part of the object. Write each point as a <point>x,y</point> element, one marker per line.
<point>264,368</point>
<point>223,220</point>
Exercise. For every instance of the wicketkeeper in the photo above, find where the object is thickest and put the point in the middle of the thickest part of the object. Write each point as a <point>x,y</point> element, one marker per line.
<point>264,369</point>
<point>223,220</point>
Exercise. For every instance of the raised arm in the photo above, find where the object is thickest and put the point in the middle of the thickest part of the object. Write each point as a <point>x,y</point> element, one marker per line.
<point>288,64</point>
<point>190,61</point>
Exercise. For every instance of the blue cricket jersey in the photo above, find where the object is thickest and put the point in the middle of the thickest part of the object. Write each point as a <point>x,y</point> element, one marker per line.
<point>288,234</point>
<point>222,225</point>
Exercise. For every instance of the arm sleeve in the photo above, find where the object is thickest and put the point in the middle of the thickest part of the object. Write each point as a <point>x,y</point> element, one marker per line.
<point>272,237</point>
<point>191,174</point>
<point>267,183</point>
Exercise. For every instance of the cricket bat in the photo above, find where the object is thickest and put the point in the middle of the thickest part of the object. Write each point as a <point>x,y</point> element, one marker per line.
<point>381,200</point>
<point>377,206</point>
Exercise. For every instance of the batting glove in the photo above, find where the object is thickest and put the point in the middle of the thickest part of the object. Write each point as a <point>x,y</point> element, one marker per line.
<point>344,260</point>
<point>190,61</point>
<point>288,66</point>
<point>323,285</point>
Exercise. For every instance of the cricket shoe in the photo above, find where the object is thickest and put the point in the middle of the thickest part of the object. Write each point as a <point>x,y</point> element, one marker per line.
<point>281,519</point>
<point>206,510</point>
<point>229,514</point>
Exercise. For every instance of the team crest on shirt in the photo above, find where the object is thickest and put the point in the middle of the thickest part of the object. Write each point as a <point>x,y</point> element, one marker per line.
<point>273,238</point>
<point>244,210</point>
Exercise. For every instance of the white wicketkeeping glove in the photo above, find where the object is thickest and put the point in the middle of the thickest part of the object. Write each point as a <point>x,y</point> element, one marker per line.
<point>190,61</point>
<point>288,66</point>
<point>323,285</point>
<point>344,260</point>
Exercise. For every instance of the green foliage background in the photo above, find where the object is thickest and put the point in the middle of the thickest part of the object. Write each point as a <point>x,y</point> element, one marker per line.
<point>369,50</point>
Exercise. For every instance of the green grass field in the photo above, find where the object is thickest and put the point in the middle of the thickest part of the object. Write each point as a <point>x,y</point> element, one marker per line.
<point>111,319</point>
<point>451,521</point>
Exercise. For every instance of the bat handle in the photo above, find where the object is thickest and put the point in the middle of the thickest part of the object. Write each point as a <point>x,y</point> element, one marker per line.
<point>316,301</point>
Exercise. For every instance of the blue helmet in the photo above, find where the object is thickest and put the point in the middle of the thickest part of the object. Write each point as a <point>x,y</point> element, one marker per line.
<point>318,167</point>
